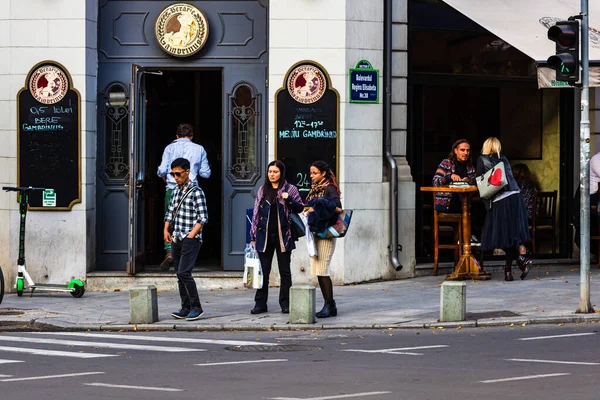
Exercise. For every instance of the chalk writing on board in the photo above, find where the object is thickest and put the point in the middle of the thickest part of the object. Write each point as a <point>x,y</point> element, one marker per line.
<point>49,147</point>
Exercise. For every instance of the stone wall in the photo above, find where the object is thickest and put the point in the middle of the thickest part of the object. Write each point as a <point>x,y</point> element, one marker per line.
<point>337,34</point>
<point>59,245</point>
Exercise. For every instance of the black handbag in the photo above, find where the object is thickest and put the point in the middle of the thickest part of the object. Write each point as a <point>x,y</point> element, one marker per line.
<point>298,229</point>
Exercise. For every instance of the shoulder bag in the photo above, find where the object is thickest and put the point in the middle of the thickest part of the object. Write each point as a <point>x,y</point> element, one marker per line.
<point>340,227</point>
<point>297,226</point>
<point>492,181</point>
<point>172,224</point>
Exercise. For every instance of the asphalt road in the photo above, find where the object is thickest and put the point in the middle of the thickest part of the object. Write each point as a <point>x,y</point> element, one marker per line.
<point>533,362</point>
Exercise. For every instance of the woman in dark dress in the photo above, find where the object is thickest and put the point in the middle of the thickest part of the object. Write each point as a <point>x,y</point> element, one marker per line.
<point>505,225</point>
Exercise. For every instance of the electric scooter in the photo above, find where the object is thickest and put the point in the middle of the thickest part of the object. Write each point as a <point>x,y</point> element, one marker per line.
<point>75,286</point>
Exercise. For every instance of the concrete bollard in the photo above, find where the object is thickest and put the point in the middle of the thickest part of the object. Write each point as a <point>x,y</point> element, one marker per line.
<point>302,304</point>
<point>453,301</point>
<point>143,304</point>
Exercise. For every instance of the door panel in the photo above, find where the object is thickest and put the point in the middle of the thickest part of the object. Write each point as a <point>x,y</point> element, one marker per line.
<point>112,167</point>
<point>137,159</point>
<point>244,158</point>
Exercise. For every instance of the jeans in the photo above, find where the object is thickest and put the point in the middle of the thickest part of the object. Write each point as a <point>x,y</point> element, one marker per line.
<point>283,260</point>
<point>184,260</point>
<point>168,195</point>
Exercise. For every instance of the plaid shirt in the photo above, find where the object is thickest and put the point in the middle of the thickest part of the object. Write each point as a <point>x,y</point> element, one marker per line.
<point>192,211</point>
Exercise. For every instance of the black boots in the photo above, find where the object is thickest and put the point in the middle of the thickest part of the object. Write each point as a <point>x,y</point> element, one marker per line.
<point>508,273</point>
<point>523,263</point>
<point>328,310</point>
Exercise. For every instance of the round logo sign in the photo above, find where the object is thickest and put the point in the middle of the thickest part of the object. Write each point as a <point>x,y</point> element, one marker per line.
<point>306,84</point>
<point>181,30</point>
<point>48,84</point>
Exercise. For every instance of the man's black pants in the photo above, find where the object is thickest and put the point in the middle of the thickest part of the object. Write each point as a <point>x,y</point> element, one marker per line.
<point>184,260</point>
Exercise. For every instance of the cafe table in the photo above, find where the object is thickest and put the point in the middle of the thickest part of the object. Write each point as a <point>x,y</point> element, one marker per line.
<point>467,266</point>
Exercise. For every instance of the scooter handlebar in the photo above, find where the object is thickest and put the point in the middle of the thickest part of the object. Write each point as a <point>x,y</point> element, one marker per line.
<point>22,189</point>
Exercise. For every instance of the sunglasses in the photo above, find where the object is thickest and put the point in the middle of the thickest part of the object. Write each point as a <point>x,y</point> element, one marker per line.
<point>177,174</point>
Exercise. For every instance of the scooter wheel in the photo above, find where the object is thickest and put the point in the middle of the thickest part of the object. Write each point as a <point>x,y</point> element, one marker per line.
<point>78,291</point>
<point>20,287</point>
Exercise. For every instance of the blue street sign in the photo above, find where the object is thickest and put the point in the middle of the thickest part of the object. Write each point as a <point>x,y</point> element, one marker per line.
<point>364,83</point>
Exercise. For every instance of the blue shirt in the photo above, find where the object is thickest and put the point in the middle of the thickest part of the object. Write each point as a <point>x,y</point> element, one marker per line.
<point>184,148</point>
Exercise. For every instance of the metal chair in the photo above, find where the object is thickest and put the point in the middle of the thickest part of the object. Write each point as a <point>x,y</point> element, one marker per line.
<point>543,220</point>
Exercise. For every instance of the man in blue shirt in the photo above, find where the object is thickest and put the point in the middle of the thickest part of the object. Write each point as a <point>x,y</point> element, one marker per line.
<point>182,147</point>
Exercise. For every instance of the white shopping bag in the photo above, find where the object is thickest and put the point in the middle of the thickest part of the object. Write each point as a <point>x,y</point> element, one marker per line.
<point>253,276</point>
<point>310,240</point>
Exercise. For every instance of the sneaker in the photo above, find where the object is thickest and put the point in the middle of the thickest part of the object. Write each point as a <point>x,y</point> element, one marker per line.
<point>194,314</point>
<point>181,314</point>
<point>166,264</point>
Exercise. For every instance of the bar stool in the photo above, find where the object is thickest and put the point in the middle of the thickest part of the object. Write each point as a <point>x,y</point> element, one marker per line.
<point>450,219</point>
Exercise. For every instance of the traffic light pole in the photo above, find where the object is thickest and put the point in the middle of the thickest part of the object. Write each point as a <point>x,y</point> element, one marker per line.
<point>585,305</point>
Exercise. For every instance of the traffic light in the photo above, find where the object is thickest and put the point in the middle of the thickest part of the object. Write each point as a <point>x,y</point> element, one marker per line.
<point>566,60</point>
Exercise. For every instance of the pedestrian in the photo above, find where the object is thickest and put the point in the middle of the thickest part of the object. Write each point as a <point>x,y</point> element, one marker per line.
<point>323,206</point>
<point>187,214</point>
<point>594,200</point>
<point>458,167</point>
<point>505,225</point>
<point>181,147</point>
<point>527,186</point>
<point>271,233</point>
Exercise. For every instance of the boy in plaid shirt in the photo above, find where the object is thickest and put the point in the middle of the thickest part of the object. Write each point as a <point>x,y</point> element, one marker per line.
<point>186,237</point>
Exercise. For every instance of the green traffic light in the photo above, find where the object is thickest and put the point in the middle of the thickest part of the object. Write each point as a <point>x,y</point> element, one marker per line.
<point>563,68</point>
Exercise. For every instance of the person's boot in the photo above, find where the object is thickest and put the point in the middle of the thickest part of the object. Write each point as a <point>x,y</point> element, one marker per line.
<point>508,273</point>
<point>328,310</point>
<point>166,264</point>
<point>524,264</point>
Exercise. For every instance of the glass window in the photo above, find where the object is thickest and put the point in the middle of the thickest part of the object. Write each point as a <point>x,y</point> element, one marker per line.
<point>117,132</point>
<point>243,133</point>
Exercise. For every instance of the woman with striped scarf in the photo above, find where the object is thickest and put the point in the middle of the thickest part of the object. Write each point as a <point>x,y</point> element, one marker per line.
<point>323,206</point>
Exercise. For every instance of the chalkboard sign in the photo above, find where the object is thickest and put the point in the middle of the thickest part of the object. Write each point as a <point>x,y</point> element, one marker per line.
<point>306,122</point>
<point>48,136</point>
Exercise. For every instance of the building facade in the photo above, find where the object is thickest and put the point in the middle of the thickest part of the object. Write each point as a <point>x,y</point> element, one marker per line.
<point>143,67</point>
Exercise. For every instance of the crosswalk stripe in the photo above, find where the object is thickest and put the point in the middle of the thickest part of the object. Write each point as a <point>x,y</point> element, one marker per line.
<point>109,385</point>
<point>35,378</point>
<point>159,339</point>
<point>241,362</point>
<point>391,351</point>
<point>520,378</point>
<point>9,361</point>
<point>105,345</point>
<point>43,352</point>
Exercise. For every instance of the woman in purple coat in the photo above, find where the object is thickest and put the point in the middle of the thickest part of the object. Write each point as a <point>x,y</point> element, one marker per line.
<point>271,232</point>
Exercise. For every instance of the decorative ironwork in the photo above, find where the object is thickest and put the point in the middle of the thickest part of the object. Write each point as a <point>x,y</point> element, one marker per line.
<point>117,139</point>
<point>243,130</point>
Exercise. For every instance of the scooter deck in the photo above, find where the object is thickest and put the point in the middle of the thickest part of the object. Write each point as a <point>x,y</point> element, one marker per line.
<point>49,286</point>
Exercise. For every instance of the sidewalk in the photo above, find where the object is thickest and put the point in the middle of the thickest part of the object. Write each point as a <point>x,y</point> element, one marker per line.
<point>550,294</point>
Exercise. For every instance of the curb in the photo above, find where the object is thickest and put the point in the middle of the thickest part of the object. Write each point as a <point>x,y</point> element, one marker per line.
<point>54,325</point>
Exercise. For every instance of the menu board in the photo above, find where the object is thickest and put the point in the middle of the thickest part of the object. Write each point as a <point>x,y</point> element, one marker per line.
<point>48,142</point>
<point>307,123</point>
